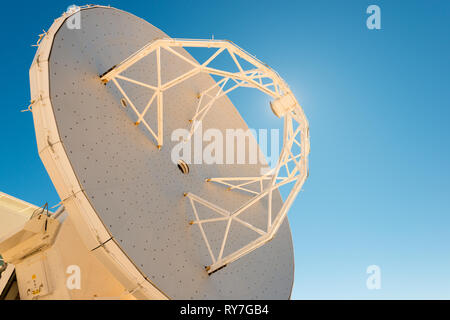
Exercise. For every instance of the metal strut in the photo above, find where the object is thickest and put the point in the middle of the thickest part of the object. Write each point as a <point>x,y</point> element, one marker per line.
<point>292,167</point>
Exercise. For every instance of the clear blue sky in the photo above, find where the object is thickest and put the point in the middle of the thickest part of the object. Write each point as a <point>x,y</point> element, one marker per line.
<point>378,102</point>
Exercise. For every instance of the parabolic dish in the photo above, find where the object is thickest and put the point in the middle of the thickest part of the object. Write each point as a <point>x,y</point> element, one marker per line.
<point>126,195</point>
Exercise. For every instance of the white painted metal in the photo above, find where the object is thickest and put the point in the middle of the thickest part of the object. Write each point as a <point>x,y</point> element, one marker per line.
<point>126,199</point>
<point>284,105</point>
<point>52,152</point>
<point>14,213</point>
<point>37,234</point>
<point>41,257</point>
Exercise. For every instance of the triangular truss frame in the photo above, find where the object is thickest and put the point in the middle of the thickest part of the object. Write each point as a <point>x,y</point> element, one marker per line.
<point>259,76</point>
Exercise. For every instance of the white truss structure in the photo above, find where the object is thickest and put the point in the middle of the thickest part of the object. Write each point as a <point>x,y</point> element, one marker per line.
<point>292,167</point>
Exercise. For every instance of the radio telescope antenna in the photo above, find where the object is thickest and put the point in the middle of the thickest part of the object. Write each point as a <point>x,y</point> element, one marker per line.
<point>107,98</point>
